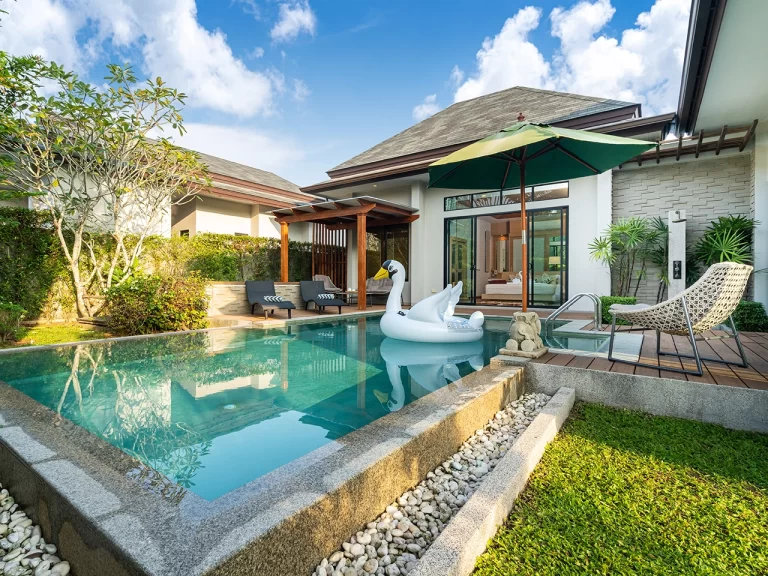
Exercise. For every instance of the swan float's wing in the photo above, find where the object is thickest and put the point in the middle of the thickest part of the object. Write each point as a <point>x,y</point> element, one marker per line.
<point>453,300</point>
<point>428,310</point>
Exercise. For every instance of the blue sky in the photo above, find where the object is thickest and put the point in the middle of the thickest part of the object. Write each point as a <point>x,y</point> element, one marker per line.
<point>297,87</point>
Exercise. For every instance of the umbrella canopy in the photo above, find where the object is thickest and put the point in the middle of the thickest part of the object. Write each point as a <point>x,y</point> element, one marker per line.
<point>550,154</point>
<point>526,154</point>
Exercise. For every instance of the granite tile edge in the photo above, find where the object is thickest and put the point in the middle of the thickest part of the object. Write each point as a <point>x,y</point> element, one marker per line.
<point>455,551</point>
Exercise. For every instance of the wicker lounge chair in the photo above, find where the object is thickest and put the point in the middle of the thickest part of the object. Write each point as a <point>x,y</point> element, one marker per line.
<point>262,293</point>
<point>330,287</point>
<point>706,304</point>
<point>313,291</point>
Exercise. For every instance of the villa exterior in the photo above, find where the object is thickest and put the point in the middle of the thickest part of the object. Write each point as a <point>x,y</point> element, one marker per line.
<point>712,160</point>
<point>237,202</point>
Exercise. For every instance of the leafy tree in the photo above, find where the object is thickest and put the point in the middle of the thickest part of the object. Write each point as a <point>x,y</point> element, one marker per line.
<point>626,247</point>
<point>96,160</point>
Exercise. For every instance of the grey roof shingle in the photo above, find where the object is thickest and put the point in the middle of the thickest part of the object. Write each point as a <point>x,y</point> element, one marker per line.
<point>248,173</point>
<point>477,118</point>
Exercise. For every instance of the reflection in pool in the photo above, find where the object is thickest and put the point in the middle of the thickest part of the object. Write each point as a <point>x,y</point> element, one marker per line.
<point>214,410</point>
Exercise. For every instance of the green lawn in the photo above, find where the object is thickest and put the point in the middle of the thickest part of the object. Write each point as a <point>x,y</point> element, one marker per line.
<point>57,334</point>
<point>623,492</point>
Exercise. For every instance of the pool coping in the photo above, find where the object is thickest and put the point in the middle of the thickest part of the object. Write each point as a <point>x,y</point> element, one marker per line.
<point>84,493</point>
<point>465,538</point>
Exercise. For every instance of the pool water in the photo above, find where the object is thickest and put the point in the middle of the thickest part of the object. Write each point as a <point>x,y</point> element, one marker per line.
<point>214,410</point>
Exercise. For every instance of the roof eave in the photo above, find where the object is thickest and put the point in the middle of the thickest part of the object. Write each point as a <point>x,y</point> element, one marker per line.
<point>703,29</point>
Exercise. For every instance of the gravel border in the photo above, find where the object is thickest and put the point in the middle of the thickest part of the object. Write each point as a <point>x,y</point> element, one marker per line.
<point>23,551</point>
<point>394,542</point>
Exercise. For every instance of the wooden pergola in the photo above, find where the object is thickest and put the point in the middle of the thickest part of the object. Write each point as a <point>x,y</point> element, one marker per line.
<point>361,213</point>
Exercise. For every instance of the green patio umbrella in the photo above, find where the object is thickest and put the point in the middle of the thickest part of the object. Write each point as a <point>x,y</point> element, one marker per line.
<point>526,154</point>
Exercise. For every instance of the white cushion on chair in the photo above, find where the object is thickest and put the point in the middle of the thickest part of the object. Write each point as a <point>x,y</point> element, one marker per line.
<point>628,307</point>
<point>273,298</point>
<point>326,296</point>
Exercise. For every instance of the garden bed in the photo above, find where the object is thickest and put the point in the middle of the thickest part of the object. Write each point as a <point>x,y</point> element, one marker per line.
<point>628,493</point>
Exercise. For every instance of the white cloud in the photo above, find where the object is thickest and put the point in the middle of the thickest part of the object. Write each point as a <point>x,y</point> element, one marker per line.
<point>300,90</point>
<point>172,41</point>
<point>294,18</point>
<point>45,28</point>
<point>257,52</point>
<point>642,66</point>
<point>508,59</point>
<point>250,7</point>
<point>457,76</point>
<point>426,108</point>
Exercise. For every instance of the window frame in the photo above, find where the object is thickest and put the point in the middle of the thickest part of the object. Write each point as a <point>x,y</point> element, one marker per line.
<point>500,195</point>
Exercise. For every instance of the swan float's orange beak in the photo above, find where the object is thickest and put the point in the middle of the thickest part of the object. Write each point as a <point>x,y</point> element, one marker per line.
<point>382,273</point>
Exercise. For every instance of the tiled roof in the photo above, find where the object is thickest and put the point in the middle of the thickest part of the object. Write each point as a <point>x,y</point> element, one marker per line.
<point>474,119</point>
<point>247,173</point>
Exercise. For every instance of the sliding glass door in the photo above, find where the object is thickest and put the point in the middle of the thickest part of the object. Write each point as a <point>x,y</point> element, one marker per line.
<point>460,255</point>
<point>547,257</point>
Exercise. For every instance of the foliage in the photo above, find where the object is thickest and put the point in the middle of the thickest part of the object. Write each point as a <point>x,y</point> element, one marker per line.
<point>230,258</point>
<point>626,247</point>
<point>58,334</point>
<point>658,255</point>
<point>727,239</point>
<point>11,316</point>
<point>608,301</point>
<point>144,304</point>
<point>30,258</point>
<point>750,317</point>
<point>86,153</point>
<point>622,492</point>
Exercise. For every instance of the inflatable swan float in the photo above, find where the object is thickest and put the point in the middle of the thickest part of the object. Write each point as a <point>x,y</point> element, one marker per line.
<point>430,320</point>
<point>430,365</point>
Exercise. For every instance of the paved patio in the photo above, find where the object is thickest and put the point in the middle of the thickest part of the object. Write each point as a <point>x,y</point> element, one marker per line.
<point>755,345</point>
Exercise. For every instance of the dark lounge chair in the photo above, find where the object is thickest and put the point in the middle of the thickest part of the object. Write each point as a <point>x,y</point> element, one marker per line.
<point>262,293</point>
<point>311,291</point>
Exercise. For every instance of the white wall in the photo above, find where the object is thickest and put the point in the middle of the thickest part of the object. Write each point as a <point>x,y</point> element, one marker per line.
<point>269,227</point>
<point>222,216</point>
<point>760,206</point>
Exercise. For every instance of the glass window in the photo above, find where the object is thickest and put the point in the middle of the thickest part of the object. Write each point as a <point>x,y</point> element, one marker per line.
<point>551,191</point>
<point>485,199</point>
<point>387,243</point>
<point>458,202</point>
<point>513,196</point>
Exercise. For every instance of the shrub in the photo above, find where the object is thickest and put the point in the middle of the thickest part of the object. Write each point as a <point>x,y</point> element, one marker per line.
<point>727,239</point>
<point>10,321</point>
<point>608,301</point>
<point>751,317</point>
<point>145,304</point>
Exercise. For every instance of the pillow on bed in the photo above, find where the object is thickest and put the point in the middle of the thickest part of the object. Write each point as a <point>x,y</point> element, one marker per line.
<point>325,296</point>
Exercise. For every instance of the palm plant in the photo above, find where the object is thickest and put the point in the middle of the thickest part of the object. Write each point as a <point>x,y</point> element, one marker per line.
<point>626,247</point>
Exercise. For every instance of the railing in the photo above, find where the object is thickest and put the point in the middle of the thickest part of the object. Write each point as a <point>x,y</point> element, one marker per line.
<point>595,300</point>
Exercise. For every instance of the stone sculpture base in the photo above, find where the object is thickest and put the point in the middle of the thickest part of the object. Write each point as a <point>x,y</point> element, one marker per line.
<point>521,354</point>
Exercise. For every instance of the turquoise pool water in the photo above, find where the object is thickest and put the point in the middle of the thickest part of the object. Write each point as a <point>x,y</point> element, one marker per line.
<point>214,410</point>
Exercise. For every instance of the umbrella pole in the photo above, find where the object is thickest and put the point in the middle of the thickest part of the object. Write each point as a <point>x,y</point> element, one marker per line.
<point>524,230</point>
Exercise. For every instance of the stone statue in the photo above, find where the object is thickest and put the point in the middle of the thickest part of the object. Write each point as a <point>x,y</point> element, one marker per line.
<point>524,339</point>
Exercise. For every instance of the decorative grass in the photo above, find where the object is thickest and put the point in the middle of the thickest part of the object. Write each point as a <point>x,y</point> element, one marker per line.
<point>57,334</point>
<point>622,492</point>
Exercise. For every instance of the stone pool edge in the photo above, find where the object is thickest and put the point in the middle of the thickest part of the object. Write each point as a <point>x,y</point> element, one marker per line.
<point>110,525</point>
<point>465,538</point>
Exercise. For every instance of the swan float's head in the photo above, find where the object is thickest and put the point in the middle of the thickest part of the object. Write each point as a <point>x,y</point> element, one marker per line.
<point>390,269</point>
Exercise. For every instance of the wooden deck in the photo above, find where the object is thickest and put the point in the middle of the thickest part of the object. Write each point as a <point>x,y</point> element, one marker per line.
<point>755,345</point>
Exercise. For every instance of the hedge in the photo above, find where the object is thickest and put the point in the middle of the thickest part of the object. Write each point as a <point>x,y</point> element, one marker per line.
<point>608,301</point>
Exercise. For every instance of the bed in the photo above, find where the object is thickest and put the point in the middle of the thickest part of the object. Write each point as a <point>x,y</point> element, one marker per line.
<point>509,292</point>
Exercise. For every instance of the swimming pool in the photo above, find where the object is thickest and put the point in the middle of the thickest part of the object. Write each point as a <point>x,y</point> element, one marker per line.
<point>214,410</point>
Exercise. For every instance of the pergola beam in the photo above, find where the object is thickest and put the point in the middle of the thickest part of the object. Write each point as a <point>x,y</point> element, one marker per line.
<point>375,223</point>
<point>326,214</point>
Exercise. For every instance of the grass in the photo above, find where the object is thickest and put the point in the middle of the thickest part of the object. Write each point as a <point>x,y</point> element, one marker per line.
<point>623,492</point>
<point>56,334</point>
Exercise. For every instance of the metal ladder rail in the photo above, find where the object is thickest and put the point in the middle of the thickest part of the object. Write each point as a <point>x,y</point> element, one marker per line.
<point>595,300</point>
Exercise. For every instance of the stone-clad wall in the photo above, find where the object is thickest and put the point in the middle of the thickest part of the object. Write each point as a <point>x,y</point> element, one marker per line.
<point>230,297</point>
<point>705,189</point>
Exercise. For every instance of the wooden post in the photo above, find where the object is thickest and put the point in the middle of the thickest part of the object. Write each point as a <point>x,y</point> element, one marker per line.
<point>283,252</point>
<point>524,229</point>
<point>361,258</point>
